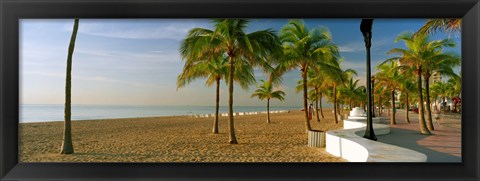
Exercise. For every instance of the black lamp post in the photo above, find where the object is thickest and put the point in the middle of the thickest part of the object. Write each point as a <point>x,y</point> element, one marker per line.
<point>366,28</point>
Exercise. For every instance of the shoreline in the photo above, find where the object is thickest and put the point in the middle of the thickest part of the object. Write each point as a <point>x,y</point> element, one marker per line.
<point>210,115</point>
<point>51,113</point>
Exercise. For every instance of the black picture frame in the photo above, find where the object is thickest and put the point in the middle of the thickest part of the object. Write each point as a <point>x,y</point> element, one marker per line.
<point>13,10</point>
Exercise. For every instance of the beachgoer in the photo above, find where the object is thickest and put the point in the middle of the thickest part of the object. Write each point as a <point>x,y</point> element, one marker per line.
<point>310,112</point>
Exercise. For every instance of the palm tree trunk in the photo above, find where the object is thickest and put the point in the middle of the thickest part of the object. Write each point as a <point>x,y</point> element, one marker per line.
<point>379,106</point>
<point>67,145</point>
<point>392,116</point>
<point>217,106</point>
<point>444,107</point>
<point>388,111</point>
<point>429,110</point>
<point>304,76</point>
<point>335,103</point>
<point>311,103</point>
<point>316,104</point>
<point>268,110</point>
<point>233,138</point>
<point>321,109</point>
<point>407,118</point>
<point>421,116</point>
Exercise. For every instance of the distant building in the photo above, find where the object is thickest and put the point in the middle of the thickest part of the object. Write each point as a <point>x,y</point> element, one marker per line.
<point>436,77</point>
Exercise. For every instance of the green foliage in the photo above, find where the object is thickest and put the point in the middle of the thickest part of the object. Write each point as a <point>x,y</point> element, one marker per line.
<point>242,49</point>
<point>265,91</point>
<point>448,25</point>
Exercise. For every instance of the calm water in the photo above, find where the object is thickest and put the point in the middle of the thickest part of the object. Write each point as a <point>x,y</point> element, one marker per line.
<point>54,112</point>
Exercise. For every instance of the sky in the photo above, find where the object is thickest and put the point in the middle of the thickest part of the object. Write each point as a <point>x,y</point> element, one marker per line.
<point>136,61</point>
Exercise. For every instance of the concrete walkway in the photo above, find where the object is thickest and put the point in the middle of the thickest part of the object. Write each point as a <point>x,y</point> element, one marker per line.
<point>443,146</point>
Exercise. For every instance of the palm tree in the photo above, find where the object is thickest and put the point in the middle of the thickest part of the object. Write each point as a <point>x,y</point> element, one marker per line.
<point>214,70</point>
<point>442,64</point>
<point>455,86</point>
<point>67,145</point>
<point>229,37</point>
<point>419,51</point>
<point>448,25</point>
<point>305,48</point>
<point>434,94</point>
<point>378,92</point>
<point>265,91</point>
<point>352,93</point>
<point>438,89</point>
<point>336,79</point>
<point>389,77</point>
<point>316,84</point>
<point>406,86</point>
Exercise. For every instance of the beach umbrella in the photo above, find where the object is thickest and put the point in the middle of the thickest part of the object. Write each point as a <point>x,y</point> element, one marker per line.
<point>366,29</point>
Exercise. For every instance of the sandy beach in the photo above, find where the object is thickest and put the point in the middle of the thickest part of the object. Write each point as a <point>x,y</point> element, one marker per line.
<point>178,139</point>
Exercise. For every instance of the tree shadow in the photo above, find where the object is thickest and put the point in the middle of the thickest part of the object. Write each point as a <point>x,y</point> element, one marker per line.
<point>409,138</point>
<point>106,154</point>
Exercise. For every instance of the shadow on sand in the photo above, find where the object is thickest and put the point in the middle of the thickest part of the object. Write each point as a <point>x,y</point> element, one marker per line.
<point>408,139</point>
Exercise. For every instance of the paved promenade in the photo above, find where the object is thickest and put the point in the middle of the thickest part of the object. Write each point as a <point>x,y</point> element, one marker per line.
<point>443,146</point>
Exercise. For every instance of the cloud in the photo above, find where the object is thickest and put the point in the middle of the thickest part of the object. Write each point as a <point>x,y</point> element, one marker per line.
<point>359,66</point>
<point>359,46</point>
<point>356,65</point>
<point>43,73</point>
<point>283,87</point>
<point>153,30</point>
<point>352,47</point>
<point>94,78</point>
<point>95,52</point>
<point>148,56</point>
<point>361,77</point>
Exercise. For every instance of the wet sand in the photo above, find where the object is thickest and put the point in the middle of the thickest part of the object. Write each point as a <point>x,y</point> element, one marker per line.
<point>178,139</point>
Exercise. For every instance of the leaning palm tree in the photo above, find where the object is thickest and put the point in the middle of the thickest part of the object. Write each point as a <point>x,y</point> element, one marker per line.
<point>214,70</point>
<point>419,50</point>
<point>67,145</point>
<point>448,25</point>
<point>229,37</point>
<point>265,91</point>
<point>305,48</point>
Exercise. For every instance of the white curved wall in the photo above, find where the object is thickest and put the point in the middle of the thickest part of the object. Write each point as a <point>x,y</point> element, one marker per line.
<point>347,144</point>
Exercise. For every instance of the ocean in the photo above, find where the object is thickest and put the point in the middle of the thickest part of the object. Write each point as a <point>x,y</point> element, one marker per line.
<point>55,112</point>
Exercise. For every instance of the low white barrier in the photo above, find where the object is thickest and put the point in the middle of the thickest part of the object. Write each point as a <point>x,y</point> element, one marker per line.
<point>316,138</point>
<point>346,143</point>
<point>237,114</point>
